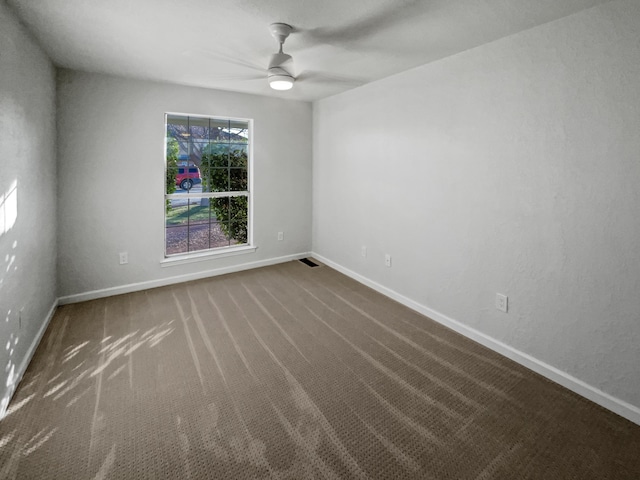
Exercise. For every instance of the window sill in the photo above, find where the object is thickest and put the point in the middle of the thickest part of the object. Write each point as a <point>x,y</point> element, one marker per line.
<point>208,255</point>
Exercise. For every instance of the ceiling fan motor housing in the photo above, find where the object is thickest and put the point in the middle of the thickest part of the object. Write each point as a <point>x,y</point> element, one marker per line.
<point>280,60</point>
<point>281,65</point>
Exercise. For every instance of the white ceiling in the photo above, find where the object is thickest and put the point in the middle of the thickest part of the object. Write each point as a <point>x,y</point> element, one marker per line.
<point>226,44</point>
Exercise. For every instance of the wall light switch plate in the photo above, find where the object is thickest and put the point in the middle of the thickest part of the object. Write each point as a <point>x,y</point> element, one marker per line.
<point>502,302</point>
<point>280,236</point>
<point>363,251</point>
<point>387,260</point>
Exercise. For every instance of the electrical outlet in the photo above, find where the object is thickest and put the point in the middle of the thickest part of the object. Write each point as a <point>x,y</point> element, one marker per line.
<point>124,258</point>
<point>363,251</point>
<point>280,236</point>
<point>502,302</point>
<point>387,260</point>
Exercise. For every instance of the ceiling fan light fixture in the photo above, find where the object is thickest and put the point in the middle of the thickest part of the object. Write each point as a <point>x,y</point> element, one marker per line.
<point>281,82</point>
<point>279,79</point>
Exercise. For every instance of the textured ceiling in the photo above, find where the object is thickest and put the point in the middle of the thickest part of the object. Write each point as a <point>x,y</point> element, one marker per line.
<point>226,44</point>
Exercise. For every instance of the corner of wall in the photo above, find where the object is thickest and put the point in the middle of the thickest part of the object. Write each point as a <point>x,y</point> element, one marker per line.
<point>16,377</point>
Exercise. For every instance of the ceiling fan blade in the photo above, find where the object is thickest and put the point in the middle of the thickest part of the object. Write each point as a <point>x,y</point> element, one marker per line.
<point>392,13</point>
<point>328,78</point>
<point>238,77</point>
<point>224,58</point>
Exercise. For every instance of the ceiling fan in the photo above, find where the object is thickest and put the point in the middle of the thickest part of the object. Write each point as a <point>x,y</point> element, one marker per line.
<point>280,71</point>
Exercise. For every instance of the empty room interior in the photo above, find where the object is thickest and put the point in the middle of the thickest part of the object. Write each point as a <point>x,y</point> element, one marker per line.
<point>294,240</point>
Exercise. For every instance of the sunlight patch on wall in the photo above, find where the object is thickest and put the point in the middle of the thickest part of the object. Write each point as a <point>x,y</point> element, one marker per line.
<point>9,208</point>
<point>10,371</point>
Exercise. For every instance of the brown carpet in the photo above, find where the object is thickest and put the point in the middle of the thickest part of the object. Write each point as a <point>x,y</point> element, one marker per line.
<point>291,372</point>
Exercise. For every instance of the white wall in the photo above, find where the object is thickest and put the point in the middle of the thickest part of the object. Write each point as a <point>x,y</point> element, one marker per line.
<point>111,177</point>
<point>514,168</point>
<point>27,198</point>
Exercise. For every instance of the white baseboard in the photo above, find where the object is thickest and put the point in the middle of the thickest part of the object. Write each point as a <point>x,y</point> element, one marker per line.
<point>622,408</point>
<point>13,386</point>
<point>135,287</point>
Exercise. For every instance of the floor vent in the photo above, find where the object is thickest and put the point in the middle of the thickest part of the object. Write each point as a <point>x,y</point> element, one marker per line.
<point>308,262</point>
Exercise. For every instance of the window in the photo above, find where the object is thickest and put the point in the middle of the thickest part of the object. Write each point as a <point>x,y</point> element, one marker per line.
<point>207,197</point>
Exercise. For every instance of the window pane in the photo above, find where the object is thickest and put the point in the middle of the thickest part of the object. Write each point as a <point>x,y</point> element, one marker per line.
<point>176,238</point>
<point>172,152</point>
<point>188,180</point>
<point>177,212</point>
<point>238,131</point>
<point>198,128</point>
<point>217,155</point>
<point>218,236</point>
<point>177,126</point>
<point>178,136</point>
<point>177,228</point>
<point>219,131</point>
<point>172,173</point>
<point>238,232</point>
<point>238,209</point>
<point>214,168</point>
<point>198,236</point>
<point>220,209</point>
<point>238,179</point>
<point>218,180</point>
<point>198,213</point>
<point>238,156</point>
<point>196,148</point>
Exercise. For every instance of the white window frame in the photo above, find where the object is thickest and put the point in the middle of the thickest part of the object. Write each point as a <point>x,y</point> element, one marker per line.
<point>216,252</point>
